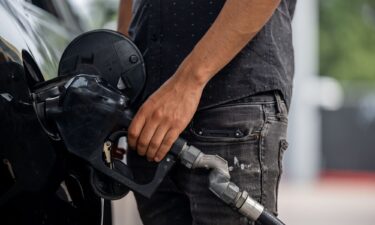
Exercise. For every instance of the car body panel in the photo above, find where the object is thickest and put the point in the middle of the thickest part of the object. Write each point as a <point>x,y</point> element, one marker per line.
<point>36,182</point>
<point>45,38</point>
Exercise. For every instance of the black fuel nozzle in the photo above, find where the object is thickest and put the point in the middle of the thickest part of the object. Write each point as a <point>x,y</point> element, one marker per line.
<point>87,113</point>
<point>74,96</point>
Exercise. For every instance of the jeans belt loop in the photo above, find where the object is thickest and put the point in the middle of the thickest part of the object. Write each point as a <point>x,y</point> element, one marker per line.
<point>279,102</point>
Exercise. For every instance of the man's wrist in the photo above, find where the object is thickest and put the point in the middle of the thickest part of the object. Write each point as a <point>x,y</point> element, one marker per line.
<point>192,70</point>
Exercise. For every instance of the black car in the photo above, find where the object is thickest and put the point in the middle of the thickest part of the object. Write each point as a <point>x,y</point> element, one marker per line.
<point>38,185</point>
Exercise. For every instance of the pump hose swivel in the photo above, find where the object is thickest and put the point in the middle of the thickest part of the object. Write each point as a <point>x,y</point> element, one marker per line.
<point>222,187</point>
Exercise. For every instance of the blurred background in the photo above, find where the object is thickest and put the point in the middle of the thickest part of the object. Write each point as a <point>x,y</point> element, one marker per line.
<point>329,168</point>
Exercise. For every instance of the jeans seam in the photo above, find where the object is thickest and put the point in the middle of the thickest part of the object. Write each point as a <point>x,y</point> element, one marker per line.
<point>263,134</point>
<point>230,104</point>
<point>253,136</point>
<point>279,176</point>
<point>283,145</point>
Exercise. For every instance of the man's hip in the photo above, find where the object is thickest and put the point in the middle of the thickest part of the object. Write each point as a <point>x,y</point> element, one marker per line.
<point>251,135</point>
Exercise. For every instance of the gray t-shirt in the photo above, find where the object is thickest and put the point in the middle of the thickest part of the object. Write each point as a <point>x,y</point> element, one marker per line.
<point>167,30</point>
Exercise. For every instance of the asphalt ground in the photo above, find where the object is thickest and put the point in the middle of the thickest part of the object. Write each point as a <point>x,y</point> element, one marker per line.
<point>330,201</point>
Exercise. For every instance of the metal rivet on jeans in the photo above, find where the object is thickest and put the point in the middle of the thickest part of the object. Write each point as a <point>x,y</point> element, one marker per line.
<point>238,133</point>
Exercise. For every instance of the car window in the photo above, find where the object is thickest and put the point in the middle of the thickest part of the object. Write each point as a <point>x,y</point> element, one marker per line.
<point>94,14</point>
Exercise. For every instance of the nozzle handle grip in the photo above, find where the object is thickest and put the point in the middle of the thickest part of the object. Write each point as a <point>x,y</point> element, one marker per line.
<point>162,169</point>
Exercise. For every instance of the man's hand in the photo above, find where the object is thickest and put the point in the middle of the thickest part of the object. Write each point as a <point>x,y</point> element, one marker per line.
<point>164,116</point>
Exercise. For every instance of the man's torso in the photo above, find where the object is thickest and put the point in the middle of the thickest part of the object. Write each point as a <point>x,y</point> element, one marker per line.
<point>167,30</point>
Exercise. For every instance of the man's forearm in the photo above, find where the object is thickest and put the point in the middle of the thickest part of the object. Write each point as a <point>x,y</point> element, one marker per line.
<point>124,17</point>
<point>238,22</point>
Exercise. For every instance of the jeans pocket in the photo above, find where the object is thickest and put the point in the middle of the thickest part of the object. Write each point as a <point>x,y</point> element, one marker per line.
<point>227,123</point>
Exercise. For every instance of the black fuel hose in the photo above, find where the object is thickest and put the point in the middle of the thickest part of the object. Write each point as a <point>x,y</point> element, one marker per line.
<point>267,218</point>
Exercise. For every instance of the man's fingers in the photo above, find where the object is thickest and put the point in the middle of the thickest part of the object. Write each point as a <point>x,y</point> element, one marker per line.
<point>166,145</point>
<point>135,129</point>
<point>145,136</point>
<point>156,141</point>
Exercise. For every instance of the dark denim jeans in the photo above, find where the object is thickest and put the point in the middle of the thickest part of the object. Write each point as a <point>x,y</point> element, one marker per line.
<point>250,134</point>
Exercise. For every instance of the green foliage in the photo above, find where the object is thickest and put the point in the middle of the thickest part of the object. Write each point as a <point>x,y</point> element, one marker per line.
<point>347,39</point>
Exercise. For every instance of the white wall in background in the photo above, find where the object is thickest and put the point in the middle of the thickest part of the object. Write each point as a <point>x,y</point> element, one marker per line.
<point>302,160</point>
